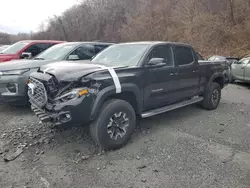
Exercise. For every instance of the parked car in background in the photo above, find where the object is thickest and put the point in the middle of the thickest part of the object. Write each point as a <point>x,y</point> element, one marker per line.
<point>3,47</point>
<point>26,49</point>
<point>229,60</point>
<point>13,75</point>
<point>122,82</point>
<point>241,70</point>
<point>227,65</point>
<point>200,57</point>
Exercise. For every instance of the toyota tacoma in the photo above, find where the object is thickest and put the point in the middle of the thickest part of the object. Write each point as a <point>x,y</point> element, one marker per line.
<point>124,81</point>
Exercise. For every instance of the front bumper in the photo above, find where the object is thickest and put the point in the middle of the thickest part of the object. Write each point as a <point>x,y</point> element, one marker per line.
<point>73,112</point>
<point>19,95</point>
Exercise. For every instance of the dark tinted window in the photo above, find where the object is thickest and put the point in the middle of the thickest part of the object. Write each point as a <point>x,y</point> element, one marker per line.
<point>183,55</point>
<point>163,51</point>
<point>84,52</point>
<point>35,49</point>
<point>45,46</point>
<point>99,48</point>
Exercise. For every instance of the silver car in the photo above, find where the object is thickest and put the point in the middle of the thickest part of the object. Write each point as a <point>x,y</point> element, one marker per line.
<point>241,70</point>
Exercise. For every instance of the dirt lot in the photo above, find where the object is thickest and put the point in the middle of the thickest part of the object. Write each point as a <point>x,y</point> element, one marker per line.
<point>189,147</point>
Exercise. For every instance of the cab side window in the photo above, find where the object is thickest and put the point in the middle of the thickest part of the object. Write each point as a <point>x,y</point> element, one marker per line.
<point>84,52</point>
<point>36,49</point>
<point>183,55</point>
<point>99,48</point>
<point>164,52</point>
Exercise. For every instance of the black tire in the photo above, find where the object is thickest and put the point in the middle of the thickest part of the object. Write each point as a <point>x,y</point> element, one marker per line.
<point>210,102</point>
<point>99,128</point>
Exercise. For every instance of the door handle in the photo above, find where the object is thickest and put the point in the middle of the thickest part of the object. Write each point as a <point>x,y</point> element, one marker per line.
<point>172,74</point>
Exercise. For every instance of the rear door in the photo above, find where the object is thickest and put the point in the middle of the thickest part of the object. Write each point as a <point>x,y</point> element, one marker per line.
<point>238,69</point>
<point>161,82</point>
<point>188,72</point>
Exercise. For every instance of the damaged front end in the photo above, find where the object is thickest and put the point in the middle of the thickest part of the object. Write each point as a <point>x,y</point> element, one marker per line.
<point>61,102</point>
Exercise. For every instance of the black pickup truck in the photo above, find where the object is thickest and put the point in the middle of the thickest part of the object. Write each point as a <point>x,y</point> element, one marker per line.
<point>125,81</point>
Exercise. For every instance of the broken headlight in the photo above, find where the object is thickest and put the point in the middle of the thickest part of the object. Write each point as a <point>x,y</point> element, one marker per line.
<point>73,94</point>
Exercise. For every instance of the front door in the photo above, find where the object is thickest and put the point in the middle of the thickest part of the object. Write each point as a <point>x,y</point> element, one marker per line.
<point>188,72</point>
<point>238,69</point>
<point>161,82</point>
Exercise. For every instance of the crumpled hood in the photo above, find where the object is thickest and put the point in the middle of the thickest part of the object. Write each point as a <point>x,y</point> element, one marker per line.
<point>70,70</point>
<point>7,57</point>
<point>23,64</point>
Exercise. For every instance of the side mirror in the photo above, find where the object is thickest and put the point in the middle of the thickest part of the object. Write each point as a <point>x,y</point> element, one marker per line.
<point>156,62</point>
<point>73,57</point>
<point>93,57</point>
<point>26,55</point>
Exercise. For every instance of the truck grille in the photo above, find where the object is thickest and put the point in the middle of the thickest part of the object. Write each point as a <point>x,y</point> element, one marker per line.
<point>37,93</point>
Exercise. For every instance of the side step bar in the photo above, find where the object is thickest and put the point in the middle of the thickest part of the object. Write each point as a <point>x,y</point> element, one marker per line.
<point>171,107</point>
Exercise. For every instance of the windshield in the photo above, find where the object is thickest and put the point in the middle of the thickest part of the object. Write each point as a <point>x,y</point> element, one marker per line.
<point>13,49</point>
<point>55,52</point>
<point>121,55</point>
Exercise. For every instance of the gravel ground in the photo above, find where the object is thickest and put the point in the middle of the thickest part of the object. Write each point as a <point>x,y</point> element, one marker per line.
<point>188,147</point>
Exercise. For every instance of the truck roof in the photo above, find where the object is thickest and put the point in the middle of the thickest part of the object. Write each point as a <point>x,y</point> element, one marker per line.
<point>157,42</point>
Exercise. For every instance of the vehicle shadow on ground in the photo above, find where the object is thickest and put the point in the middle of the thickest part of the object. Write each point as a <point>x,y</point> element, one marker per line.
<point>246,85</point>
<point>78,139</point>
<point>6,108</point>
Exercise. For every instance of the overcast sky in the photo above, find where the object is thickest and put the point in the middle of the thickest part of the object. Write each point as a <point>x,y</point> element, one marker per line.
<point>26,15</point>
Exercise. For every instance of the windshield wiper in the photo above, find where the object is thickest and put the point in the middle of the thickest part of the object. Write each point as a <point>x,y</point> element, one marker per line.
<point>38,58</point>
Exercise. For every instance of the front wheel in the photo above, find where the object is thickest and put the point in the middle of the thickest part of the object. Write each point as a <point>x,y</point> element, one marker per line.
<point>115,124</point>
<point>212,96</point>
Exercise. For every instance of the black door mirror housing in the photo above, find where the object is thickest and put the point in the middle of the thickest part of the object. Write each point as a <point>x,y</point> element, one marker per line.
<point>156,62</point>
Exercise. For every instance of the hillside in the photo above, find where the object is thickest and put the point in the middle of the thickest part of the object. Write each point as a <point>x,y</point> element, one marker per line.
<point>212,26</point>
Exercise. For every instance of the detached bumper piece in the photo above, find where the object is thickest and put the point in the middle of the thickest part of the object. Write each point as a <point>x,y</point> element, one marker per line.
<point>55,118</point>
<point>43,116</point>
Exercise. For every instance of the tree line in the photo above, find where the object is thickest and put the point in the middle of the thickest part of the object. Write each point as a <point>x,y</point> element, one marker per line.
<point>211,26</point>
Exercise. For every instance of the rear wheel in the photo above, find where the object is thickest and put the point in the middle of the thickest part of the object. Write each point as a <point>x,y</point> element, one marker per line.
<point>212,96</point>
<point>115,124</point>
